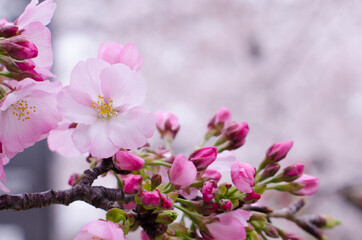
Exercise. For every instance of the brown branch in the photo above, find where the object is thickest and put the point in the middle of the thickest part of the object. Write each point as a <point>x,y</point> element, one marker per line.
<point>99,197</point>
<point>304,223</point>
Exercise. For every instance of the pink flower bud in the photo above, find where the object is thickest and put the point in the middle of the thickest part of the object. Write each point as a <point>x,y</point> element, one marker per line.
<point>73,179</point>
<point>211,174</point>
<point>252,197</point>
<point>8,30</point>
<point>291,236</point>
<point>203,157</point>
<point>226,205</point>
<point>128,161</point>
<point>234,135</point>
<point>310,185</point>
<point>292,172</point>
<point>269,171</point>
<point>242,175</point>
<point>132,183</point>
<point>166,201</point>
<point>218,121</point>
<point>167,124</point>
<point>19,48</point>
<point>101,230</point>
<point>149,200</point>
<point>183,172</point>
<point>278,151</point>
<point>208,190</point>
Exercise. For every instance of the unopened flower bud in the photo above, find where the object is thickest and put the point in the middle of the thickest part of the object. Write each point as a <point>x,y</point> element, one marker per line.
<point>132,183</point>
<point>166,217</point>
<point>310,185</point>
<point>19,48</point>
<point>304,185</point>
<point>278,151</point>
<point>218,122</point>
<point>8,30</point>
<point>233,136</point>
<point>291,236</point>
<point>242,175</point>
<point>149,200</point>
<point>270,230</point>
<point>208,190</point>
<point>292,172</point>
<point>211,174</point>
<point>166,201</point>
<point>226,205</point>
<point>269,171</point>
<point>203,157</point>
<point>183,172</point>
<point>74,179</point>
<point>156,180</point>
<point>252,197</point>
<point>167,124</point>
<point>128,161</point>
<point>330,222</point>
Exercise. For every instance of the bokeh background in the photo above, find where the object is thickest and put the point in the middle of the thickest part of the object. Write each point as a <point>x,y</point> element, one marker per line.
<point>291,69</point>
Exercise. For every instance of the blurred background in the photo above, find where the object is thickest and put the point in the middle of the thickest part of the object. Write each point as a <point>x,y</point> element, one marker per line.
<point>291,69</point>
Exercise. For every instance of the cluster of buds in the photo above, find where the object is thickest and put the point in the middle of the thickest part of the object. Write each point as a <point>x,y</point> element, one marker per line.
<point>16,54</point>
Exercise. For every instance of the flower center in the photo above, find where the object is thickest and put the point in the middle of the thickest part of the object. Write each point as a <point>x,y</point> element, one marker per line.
<point>21,110</point>
<point>104,107</point>
<point>98,238</point>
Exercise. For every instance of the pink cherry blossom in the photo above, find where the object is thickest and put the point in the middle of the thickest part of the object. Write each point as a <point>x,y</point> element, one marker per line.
<point>32,23</point>
<point>183,172</point>
<point>242,175</point>
<point>104,101</point>
<point>310,185</point>
<point>230,226</point>
<point>114,52</point>
<point>27,113</point>
<point>100,229</point>
<point>128,161</point>
<point>167,124</point>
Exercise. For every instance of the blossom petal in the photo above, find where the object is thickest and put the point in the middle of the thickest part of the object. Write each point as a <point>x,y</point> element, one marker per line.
<point>41,37</point>
<point>60,140</point>
<point>123,86</point>
<point>76,106</point>
<point>85,76</point>
<point>42,12</point>
<point>109,51</point>
<point>132,128</point>
<point>94,139</point>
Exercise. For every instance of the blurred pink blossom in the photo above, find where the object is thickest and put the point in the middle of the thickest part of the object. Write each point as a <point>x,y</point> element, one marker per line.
<point>230,226</point>
<point>101,230</point>
<point>208,190</point>
<point>167,124</point>
<point>114,52</point>
<point>217,123</point>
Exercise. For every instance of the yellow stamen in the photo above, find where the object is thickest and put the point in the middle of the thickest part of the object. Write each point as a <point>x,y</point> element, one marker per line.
<point>104,108</point>
<point>22,110</point>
